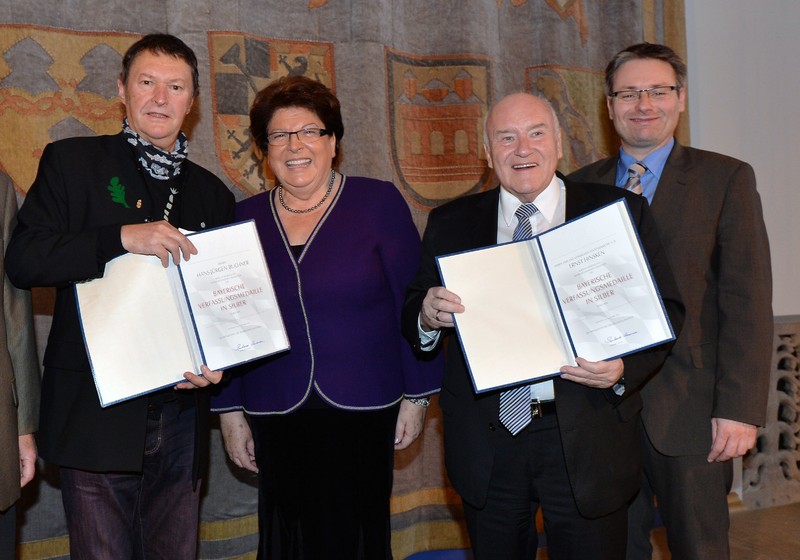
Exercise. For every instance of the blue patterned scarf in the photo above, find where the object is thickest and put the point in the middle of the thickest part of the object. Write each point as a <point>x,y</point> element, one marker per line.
<point>159,164</point>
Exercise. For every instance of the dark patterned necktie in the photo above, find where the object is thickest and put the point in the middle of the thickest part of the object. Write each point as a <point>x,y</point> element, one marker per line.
<point>515,404</point>
<point>634,182</point>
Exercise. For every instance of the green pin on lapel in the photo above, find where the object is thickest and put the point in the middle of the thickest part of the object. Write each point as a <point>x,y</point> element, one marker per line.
<point>117,191</point>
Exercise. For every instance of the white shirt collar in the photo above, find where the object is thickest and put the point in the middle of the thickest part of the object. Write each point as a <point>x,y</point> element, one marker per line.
<point>547,202</point>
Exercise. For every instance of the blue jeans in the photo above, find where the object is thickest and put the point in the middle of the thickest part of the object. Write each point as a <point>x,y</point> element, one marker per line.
<point>146,515</point>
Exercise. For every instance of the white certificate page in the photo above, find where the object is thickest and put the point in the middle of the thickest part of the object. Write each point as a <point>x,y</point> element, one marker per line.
<point>509,330</point>
<point>603,285</point>
<point>230,297</point>
<point>133,329</point>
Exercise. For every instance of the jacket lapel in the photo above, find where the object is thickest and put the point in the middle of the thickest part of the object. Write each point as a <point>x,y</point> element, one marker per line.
<point>673,186</point>
<point>484,220</point>
<point>578,202</point>
<point>606,172</point>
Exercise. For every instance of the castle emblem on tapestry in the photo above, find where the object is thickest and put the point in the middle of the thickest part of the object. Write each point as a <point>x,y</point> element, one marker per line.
<point>436,109</point>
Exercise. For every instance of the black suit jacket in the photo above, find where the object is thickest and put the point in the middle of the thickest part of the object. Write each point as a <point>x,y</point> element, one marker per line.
<point>709,215</point>
<point>598,428</point>
<point>68,228</point>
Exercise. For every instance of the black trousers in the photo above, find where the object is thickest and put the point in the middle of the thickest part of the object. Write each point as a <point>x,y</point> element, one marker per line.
<point>528,473</point>
<point>8,532</point>
<point>325,479</point>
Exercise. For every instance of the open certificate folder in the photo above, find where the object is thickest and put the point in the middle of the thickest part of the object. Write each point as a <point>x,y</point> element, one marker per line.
<point>583,289</point>
<point>145,325</point>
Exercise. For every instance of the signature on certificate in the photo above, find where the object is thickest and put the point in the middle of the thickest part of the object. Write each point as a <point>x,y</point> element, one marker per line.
<point>618,337</point>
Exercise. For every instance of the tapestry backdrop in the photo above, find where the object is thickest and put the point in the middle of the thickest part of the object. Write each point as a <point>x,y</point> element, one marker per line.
<point>415,79</point>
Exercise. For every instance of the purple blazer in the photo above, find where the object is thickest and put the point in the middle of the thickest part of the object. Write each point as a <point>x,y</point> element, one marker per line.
<point>341,302</point>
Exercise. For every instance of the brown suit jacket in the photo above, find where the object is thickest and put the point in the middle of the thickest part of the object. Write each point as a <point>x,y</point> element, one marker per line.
<point>19,368</point>
<point>709,215</point>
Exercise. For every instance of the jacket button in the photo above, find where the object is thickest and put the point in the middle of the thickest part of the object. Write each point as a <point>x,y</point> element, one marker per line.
<point>492,427</point>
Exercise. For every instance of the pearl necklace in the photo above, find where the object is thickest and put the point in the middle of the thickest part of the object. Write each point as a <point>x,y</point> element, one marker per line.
<point>317,205</point>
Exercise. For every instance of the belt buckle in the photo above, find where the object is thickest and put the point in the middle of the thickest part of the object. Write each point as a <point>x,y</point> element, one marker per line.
<point>536,409</point>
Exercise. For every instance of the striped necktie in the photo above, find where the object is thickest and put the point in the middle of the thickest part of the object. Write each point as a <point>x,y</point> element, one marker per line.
<point>515,404</point>
<point>635,172</point>
<point>524,230</point>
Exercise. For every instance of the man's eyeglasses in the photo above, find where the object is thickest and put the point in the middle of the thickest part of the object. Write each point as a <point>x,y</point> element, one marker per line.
<point>654,93</point>
<point>305,135</point>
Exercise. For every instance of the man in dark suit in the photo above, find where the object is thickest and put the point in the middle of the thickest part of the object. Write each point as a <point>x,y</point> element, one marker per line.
<point>19,384</point>
<point>703,408</point>
<point>577,458</point>
<point>129,471</point>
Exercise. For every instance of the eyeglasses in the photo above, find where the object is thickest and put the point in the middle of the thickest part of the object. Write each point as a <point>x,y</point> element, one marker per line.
<point>654,93</point>
<point>305,135</point>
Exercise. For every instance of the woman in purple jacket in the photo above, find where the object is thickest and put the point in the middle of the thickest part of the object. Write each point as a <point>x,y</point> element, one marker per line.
<point>320,422</point>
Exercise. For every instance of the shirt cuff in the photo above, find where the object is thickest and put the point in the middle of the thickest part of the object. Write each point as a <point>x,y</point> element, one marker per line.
<point>427,339</point>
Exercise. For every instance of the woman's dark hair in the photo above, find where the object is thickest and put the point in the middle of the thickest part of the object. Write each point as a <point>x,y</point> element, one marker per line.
<point>161,43</point>
<point>295,91</point>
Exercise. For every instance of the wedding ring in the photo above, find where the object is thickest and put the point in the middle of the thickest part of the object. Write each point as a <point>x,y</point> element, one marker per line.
<point>437,315</point>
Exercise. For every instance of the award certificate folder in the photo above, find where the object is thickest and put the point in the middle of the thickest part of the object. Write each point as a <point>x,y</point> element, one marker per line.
<point>145,325</point>
<point>583,289</point>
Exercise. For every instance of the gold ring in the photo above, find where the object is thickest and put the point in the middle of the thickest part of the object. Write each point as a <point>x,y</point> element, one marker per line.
<point>437,314</point>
